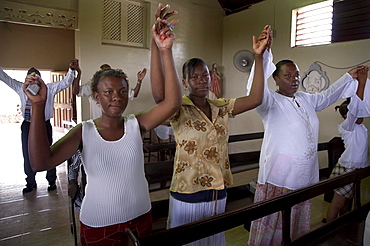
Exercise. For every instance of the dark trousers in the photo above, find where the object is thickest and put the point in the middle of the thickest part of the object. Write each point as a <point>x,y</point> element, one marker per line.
<point>51,175</point>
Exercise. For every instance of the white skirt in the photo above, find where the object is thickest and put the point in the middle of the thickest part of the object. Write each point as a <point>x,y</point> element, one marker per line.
<point>181,213</point>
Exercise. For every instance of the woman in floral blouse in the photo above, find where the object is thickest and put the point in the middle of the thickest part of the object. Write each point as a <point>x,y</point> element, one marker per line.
<point>201,165</point>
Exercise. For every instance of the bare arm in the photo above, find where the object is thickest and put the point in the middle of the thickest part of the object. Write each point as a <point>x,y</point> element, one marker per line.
<point>140,77</point>
<point>42,156</point>
<point>76,82</point>
<point>156,71</point>
<point>254,99</point>
<point>361,78</point>
<point>172,92</point>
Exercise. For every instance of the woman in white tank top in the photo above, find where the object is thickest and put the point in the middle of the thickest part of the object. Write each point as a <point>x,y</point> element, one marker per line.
<point>117,195</point>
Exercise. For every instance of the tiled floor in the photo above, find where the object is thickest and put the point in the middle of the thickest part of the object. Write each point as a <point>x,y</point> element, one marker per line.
<point>39,217</point>
<point>42,218</point>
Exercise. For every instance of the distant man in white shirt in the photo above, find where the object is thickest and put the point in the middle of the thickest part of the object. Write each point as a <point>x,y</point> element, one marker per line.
<point>53,89</point>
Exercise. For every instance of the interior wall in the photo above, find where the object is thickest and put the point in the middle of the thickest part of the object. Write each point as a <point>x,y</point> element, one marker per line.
<point>238,31</point>
<point>24,46</point>
<point>198,34</point>
<point>65,4</point>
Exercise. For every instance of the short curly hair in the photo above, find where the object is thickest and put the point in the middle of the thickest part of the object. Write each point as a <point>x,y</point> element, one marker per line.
<point>99,75</point>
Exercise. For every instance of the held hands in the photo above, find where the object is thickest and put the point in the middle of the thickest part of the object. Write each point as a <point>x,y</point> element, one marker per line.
<point>362,74</point>
<point>263,42</point>
<point>40,97</point>
<point>141,75</point>
<point>74,65</point>
<point>354,72</point>
<point>163,34</point>
<point>162,12</point>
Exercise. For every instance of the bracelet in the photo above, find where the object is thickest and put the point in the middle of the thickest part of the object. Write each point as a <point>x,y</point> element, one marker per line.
<point>139,82</point>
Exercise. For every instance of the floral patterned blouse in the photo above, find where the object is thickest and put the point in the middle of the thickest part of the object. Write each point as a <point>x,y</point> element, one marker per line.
<point>201,158</point>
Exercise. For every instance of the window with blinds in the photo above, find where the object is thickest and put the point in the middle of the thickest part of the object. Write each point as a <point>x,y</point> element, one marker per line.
<point>125,23</point>
<point>330,21</point>
<point>312,24</point>
<point>351,20</point>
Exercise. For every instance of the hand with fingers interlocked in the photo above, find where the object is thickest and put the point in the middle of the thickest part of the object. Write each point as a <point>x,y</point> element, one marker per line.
<point>161,16</point>
<point>162,30</point>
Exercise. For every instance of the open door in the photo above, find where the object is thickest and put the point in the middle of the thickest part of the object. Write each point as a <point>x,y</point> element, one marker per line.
<point>64,105</point>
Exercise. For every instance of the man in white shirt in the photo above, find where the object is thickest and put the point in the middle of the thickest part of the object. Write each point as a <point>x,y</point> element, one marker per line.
<point>53,89</point>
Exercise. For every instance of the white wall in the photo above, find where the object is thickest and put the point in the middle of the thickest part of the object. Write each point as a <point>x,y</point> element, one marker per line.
<point>238,31</point>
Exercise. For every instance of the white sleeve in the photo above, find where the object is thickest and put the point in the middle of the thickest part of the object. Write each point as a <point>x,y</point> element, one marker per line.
<point>349,123</point>
<point>57,87</point>
<point>12,83</point>
<point>268,68</point>
<point>131,94</point>
<point>344,87</point>
<point>361,108</point>
<point>85,90</point>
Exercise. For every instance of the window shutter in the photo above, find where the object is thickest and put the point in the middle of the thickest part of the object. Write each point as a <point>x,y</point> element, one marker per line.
<point>351,20</point>
<point>125,23</point>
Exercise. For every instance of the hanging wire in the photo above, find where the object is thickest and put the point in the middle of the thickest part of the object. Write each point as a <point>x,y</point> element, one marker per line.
<point>342,67</point>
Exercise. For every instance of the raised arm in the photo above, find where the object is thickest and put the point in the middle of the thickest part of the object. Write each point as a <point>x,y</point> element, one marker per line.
<point>57,87</point>
<point>140,77</point>
<point>156,66</point>
<point>172,92</point>
<point>42,156</point>
<point>76,82</point>
<point>12,83</point>
<point>357,106</point>
<point>254,99</point>
<point>361,78</point>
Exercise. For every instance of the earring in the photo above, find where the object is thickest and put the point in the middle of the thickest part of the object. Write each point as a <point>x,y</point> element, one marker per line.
<point>185,88</point>
<point>277,87</point>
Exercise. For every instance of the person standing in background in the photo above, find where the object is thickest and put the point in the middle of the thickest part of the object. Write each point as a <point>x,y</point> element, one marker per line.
<point>26,108</point>
<point>355,137</point>
<point>85,91</point>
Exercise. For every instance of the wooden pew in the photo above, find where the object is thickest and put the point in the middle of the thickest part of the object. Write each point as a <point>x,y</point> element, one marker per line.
<point>229,220</point>
<point>159,174</point>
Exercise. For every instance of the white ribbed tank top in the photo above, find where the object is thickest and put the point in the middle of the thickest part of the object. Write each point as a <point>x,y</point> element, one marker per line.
<point>116,190</point>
